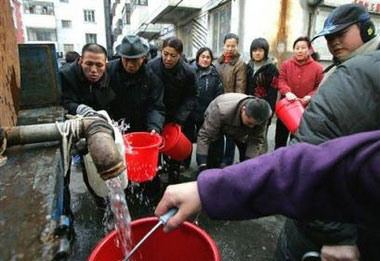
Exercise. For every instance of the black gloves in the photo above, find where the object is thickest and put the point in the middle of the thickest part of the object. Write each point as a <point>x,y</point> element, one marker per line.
<point>87,111</point>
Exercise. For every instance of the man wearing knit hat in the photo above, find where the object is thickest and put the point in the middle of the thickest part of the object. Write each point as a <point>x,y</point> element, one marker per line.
<point>241,116</point>
<point>338,110</point>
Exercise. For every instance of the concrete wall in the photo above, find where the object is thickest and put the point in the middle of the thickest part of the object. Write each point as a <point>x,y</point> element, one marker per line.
<point>9,67</point>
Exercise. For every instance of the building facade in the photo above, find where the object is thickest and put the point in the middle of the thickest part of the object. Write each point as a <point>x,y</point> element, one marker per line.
<point>205,22</point>
<point>70,24</point>
<point>16,9</point>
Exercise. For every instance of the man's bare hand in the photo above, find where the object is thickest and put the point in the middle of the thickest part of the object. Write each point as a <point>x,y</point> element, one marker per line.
<point>183,196</point>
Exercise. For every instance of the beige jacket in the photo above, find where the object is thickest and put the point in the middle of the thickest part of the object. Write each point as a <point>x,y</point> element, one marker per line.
<point>233,74</point>
<point>223,117</point>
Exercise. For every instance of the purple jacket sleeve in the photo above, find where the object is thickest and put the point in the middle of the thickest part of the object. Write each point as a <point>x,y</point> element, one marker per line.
<point>338,180</point>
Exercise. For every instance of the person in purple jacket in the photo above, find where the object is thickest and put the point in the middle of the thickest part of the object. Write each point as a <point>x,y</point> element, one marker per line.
<point>337,180</point>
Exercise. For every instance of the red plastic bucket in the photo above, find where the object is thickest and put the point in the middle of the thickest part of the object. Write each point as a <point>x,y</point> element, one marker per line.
<point>176,144</point>
<point>290,113</point>
<point>141,155</point>
<point>188,242</point>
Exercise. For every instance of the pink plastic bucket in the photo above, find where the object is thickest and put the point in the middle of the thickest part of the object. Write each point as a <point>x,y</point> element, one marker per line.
<point>188,242</point>
<point>290,113</point>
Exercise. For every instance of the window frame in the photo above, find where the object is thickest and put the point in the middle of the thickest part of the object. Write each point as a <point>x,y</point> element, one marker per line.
<point>217,31</point>
<point>88,35</point>
<point>69,22</point>
<point>89,15</point>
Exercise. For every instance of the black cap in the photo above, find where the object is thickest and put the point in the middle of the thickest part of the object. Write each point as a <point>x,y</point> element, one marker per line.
<point>133,46</point>
<point>342,17</point>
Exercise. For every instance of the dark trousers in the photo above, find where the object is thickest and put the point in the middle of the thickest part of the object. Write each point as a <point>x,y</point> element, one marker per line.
<point>215,153</point>
<point>190,130</point>
<point>293,243</point>
<point>282,134</point>
<point>242,147</point>
<point>229,151</point>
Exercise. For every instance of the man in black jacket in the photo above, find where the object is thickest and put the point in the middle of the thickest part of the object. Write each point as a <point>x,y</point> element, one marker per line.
<point>138,102</point>
<point>139,92</point>
<point>84,83</point>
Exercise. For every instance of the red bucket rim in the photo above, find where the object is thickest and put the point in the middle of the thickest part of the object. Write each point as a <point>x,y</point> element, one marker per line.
<point>156,144</point>
<point>136,222</point>
<point>169,145</point>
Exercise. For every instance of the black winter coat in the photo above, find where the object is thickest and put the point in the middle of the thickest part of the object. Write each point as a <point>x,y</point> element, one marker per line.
<point>139,97</point>
<point>76,89</point>
<point>180,89</point>
<point>209,87</point>
<point>263,83</point>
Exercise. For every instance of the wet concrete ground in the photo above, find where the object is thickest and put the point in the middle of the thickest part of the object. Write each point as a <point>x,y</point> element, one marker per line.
<point>236,240</point>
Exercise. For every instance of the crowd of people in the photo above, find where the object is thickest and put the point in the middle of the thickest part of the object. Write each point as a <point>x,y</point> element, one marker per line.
<point>228,103</point>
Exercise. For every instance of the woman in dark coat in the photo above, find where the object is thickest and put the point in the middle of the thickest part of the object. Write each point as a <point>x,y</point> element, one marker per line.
<point>210,86</point>
<point>180,92</point>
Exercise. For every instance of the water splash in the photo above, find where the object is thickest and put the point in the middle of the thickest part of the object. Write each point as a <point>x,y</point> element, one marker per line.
<point>121,125</point>
<point>121,214</point>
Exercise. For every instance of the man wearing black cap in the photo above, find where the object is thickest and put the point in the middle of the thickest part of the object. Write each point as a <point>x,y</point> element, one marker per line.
<point>139,93</point>
<point>349,31</point>
<point>241,116</point>
<point>346,103</point>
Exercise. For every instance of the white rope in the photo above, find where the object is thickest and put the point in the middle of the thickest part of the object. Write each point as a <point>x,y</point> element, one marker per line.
<point>69,130</point>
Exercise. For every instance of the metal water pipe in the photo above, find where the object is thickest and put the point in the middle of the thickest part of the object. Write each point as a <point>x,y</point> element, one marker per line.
<point>98,133</point>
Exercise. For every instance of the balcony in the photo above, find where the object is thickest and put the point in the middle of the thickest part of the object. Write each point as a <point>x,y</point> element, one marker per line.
<point>174,11</point>
<point>149,31</point>
<point>40,21</point>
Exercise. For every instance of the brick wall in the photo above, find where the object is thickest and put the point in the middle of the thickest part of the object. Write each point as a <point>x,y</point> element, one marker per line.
<point>9,67</point>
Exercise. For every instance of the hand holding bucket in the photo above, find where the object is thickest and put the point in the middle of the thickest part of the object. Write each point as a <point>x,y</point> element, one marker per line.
<point>191,243</point>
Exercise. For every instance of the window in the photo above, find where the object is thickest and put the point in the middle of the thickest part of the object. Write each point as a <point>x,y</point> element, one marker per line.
<point>39,8</point>
<point>90,38</point>
<point>220,27</point>
<point>41,34</point>
<point>89,16</point>
<point>135,3</point>
<point>66,24</point>
<point>68,48</point>
<point>140,2</point>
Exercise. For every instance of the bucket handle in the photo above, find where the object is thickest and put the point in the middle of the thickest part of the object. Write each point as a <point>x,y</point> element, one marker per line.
<point>162,145</point>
